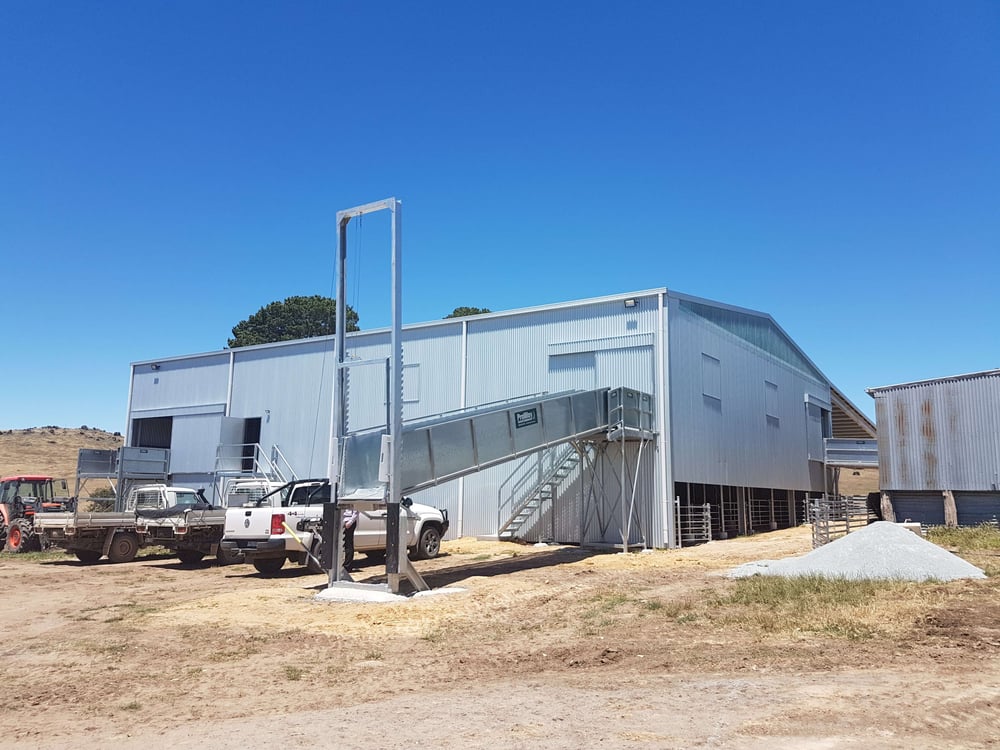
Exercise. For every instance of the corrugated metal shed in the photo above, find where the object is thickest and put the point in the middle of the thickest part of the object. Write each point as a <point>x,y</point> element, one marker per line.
<point>738,410</point>
<point>941,434</point>
<point>738,404</point>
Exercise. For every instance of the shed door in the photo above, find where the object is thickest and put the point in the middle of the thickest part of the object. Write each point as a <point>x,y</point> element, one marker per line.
<point>194,443</point>
<point>576,371</point>
<point>152,432</point>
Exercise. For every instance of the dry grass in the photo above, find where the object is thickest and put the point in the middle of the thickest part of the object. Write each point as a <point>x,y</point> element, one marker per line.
<point>841,608</point>
<point>51,451</point>
<point>966,538</point>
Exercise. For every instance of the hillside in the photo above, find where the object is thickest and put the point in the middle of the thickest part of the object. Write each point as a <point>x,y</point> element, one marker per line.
<point>50,450</point>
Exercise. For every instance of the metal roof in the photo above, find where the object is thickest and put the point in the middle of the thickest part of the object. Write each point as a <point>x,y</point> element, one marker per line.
<point>427,324</point>
<point>946,379</point>
<point>848,420</point>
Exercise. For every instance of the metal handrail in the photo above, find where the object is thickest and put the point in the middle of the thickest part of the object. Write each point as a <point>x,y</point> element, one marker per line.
<point>277,454</point>
<point>261,464</point>
<point>518,482</point>
<point>547,477</point>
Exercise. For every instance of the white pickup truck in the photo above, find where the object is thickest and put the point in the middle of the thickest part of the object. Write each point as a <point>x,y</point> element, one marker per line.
<point>178,518</point>
<point>258,530</point>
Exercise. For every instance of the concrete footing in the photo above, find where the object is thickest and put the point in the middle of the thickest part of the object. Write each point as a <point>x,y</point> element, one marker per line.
<point>373,593</point>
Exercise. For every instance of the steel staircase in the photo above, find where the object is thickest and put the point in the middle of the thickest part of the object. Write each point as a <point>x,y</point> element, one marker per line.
<point>544,490</point>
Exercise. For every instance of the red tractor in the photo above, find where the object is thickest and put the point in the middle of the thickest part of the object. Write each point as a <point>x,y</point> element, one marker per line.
<point>21,497</point>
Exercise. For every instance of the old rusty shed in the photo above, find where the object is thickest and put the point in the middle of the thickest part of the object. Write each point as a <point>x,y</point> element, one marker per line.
<point>939,449</point>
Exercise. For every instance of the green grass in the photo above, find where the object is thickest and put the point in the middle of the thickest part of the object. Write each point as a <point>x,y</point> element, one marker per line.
<point>966,538</point>
<point>43,556</point>
<point>293,673</point>
<point>132,706</point>
<point>57,553</point>
<point>608,601</point>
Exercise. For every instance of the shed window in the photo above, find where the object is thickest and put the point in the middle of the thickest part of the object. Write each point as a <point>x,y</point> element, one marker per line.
<point>771,404</point>
<point>711,380</point>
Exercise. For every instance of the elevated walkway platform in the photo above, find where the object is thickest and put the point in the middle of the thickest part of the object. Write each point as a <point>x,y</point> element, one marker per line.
<point>449,446</point>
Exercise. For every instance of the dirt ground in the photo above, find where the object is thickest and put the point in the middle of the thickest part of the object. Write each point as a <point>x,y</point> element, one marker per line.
<point>542,647</point>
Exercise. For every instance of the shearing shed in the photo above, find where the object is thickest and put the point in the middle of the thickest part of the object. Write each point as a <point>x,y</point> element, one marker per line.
<point>730,417</point>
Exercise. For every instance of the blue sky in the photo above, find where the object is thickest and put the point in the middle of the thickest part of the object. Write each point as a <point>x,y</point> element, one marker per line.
<point>167,168</point>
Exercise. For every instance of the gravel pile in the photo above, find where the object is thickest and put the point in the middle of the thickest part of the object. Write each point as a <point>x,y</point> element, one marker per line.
<point>881,550</point>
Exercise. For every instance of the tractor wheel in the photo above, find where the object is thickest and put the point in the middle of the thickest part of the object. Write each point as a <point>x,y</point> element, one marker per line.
<point>88,556</point>
<point>19,536</point>
<point>189,556</point>
<point>123,547</point>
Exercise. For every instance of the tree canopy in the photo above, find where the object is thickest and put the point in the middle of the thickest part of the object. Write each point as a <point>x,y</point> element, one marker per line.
<point>461,312</point>
<point>293,318</point>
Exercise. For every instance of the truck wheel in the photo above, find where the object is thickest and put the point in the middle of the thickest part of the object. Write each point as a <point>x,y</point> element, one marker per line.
<point>429,544</point>
<point>229,557</point>
<point>87,556</point>
<point>313,560</point>
<point>123,547</point>
<point>268,566</point>
<point>189,556</point>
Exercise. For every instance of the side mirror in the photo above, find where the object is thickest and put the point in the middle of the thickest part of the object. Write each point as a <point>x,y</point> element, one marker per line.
<point>406,502</point>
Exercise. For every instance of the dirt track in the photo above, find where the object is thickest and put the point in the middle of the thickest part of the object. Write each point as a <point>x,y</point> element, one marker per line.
<point>545,647</point>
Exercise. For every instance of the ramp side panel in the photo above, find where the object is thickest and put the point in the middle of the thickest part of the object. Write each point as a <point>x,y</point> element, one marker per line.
<point>415,463</point>
<point>558,418</point>
<point>361,458</point>
<point>452,447</point>
<point>589,410</point>
<point>528,431</point>
<point>492,434</point>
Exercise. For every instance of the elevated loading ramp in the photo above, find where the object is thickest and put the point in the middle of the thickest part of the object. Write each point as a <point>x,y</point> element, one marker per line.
<point>449,446</point>
<point>846,453</point>
<point>122,468</point>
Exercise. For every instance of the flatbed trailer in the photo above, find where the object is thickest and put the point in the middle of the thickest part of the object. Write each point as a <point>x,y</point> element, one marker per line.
<point>91,536</point>
<point>191,530</point>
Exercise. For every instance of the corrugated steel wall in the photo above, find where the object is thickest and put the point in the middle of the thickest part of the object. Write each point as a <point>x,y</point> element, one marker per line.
<point>288,386</point>
<point>721,390</point>
<point>581,490</point>
<point>927,508</point>
<point>586,346</point>
<point>940,435</point>
<point>974,508</point>
<point>741,421</point>
<point>289,389</point>
<point>180,384</point>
